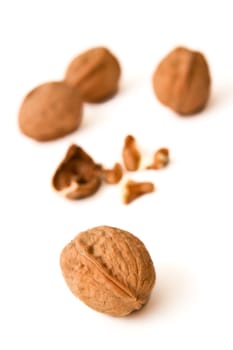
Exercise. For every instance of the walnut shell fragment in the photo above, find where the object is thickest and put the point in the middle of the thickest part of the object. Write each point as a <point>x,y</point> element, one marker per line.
<point>78,176</point>
<point>95,73</point>
<point>182,81</point>
<point>160,159</point>
<point>135,189</point>
<point>50,111</point>
<point>109,269</point>
<point>114,175</point>
<point>130,153</point>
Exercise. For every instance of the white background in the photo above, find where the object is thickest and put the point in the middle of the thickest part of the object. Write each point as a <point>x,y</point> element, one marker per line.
<point>186,224</point>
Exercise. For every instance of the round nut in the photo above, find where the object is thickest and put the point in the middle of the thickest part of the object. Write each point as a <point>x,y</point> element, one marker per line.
<point>50,111</point>
<point>109,269</point>
<point>95,73</point>
<point>78,176</point>
<point>182,81</point>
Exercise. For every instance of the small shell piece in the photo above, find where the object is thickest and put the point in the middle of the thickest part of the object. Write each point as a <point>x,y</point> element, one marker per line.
<point>130,153</point>
<point>109,269</point>
<point>160,160</point>
<point>114,175</point>
<point>136,189</point>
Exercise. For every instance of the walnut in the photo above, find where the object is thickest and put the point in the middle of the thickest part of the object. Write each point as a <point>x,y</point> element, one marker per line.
<point>50,111</point>
<point>182,81</point>
<point>78,176</point>
<point>95,73</point>
<point>109,269</point>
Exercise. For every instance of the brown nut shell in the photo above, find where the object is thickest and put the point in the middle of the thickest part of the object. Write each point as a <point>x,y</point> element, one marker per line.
<point>95,73</point>
<point>50,111</point>
<point>78,176</point>
<point>114,175</point>
<point>130,153</point>
<point>182,81</point>
<point>109,269</point>
<point>135,189</point>
<point>160,159</point>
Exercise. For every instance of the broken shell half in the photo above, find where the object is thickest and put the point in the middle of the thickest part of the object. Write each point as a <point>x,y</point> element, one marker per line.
<point>78,176</point>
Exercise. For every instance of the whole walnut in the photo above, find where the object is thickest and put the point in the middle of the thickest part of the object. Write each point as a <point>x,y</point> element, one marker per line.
<point>95,73</point>
<point>182,81</point>
<point>109,269</point>
<point>50,111</point>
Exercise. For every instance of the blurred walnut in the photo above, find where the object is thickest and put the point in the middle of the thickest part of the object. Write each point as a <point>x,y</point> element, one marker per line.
<point>182,81</point>
<point>109,269</point>
<point>78,176</point>
<point>95,73</point>
<point>50,111</point>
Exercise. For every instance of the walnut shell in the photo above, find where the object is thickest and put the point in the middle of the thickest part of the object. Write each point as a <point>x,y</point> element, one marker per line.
<point>78,176</point>
<point>130,154</point>
<point>182,81</point>
<point>95,73</point>
<point>50,111</point>
<point>109,269</point>
<point>114,175</point>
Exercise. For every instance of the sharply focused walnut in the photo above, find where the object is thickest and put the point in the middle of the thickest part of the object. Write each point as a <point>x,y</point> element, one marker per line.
<point>95,73</point>
<point>109,269</point>
<point>50,111</point>
<point>78,176</point>
<point>182,81</point>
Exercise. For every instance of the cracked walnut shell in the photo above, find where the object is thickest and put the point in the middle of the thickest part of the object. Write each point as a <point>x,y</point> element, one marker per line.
<point>50,111</point>
<point>109,269</point>
<point>182,81</point>
<point>78,176</point>
<point>95,73</point>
